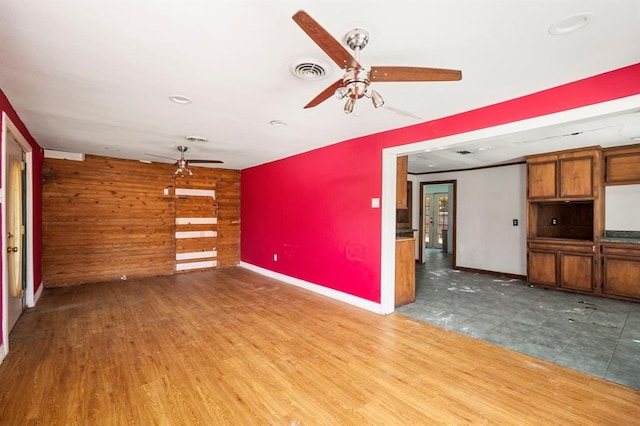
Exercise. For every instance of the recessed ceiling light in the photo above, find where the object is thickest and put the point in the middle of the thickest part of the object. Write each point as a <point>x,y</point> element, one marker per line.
<point>179,99</point>
<point>196,139</point>
<point>277,123</point>
<point>571,23</point>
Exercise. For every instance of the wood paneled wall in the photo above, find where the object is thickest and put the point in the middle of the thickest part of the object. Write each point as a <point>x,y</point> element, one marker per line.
<point>104,218</point>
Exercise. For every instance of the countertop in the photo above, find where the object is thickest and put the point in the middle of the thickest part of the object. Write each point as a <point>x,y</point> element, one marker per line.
<point>404,230</point>
<point>625,237</point>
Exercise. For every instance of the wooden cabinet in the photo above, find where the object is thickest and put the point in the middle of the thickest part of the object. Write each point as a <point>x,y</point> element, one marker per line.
<point>621,270</point>
<point>565,217</point>
<point>405,271</point>
<point>564,265</point>
<point>403,216</point>
<point>542,181</point>
<point>574,174</point>
<point>622,165</point>
<point>401,182</point>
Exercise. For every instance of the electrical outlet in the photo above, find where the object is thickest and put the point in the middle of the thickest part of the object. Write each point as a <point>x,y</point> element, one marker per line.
<point>554,221</point>
<point>275,257</point>
<point>515,222</point>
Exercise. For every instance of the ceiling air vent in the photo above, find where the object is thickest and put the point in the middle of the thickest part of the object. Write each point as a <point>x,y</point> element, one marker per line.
<point>199,139</point>
<point>309,69</point>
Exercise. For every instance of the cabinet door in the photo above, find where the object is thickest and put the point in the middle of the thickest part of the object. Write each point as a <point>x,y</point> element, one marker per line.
<point>576,177</point>
<point>576,271</point>
<point>541,179</point>
<point>405,271</point>
<point>401,182</point>
<point>623,168</point>
<point>542,268</point>
<point>621,277</point>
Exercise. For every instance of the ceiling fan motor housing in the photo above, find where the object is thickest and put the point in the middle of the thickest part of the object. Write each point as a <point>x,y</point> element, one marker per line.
<point>357,39</point>
<point>357,81</point>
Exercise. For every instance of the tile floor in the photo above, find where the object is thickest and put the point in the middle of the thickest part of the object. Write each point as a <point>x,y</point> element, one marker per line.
<point>594,335</point>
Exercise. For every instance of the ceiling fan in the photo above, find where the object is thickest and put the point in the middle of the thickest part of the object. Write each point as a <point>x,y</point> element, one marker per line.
<point>355,83</point>
<point>183,163</point>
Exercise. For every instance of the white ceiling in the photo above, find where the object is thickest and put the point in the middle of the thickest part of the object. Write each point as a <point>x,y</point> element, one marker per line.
<point>95,76</point>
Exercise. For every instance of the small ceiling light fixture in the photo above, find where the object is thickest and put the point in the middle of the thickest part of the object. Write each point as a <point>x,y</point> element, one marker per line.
<point>277,123</point>
<point>179,99</point>
<point>571,23</point>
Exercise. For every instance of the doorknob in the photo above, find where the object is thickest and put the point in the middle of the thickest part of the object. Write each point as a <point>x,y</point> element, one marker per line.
<point>12,249</point>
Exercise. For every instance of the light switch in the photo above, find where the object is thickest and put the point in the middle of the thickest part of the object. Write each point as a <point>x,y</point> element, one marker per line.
<point>375,203</point>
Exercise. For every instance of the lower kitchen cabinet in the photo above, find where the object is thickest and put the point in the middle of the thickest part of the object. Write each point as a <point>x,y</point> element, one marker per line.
<point>621,270</point>
<point>405,271</point>
<point>562,264</point>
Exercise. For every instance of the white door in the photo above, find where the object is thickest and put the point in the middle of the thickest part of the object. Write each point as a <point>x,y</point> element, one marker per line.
<point>15,231</point>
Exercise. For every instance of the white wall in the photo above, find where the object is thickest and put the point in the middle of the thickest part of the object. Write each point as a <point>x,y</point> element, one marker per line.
<point>487,202</point>
<point>622,208</point>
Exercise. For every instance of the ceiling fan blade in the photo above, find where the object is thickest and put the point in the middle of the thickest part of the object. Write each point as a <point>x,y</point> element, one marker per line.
<point>325,94</point>
<point>160,156</point>
<point>413,74</point>
<point>205,161</point>
<point>322,38</point>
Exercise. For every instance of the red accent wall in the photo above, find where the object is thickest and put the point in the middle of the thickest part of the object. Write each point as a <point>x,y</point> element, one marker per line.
<point>38,158</point>
<point>314,209</point>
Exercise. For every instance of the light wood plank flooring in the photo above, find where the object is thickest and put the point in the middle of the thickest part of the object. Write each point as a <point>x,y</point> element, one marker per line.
<point>232,347</point>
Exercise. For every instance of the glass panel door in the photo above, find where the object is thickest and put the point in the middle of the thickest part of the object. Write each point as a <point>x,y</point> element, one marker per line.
<point>436,219</point>
<point>442,229</point>
<point>427,221</point>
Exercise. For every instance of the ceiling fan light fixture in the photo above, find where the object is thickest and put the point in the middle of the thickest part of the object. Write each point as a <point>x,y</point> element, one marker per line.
<point>341,92</point>
<point>349,105</point>
<point>376,99</point>
<point>180,171</point>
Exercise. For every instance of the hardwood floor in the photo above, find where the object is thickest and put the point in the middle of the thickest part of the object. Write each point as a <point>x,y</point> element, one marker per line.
<point>233,347</point>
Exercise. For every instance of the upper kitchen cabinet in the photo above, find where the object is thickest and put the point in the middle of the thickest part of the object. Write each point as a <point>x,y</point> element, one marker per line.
<point>621,165</point>
<point>566,175</point>
<point>401,182</point>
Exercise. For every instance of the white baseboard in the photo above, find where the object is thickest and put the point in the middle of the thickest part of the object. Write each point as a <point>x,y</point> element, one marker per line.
<point>36,296</point>
<point>334,294</point>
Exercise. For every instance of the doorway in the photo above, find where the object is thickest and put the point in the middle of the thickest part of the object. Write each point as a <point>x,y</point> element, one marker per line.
<point>437,218</point>
<point>16,190</point>
<point>15,230</point>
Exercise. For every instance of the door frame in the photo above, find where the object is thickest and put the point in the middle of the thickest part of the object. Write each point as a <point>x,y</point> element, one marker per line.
<point>453,218</point>
<point>9,127</point>
<point>387,205</point>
